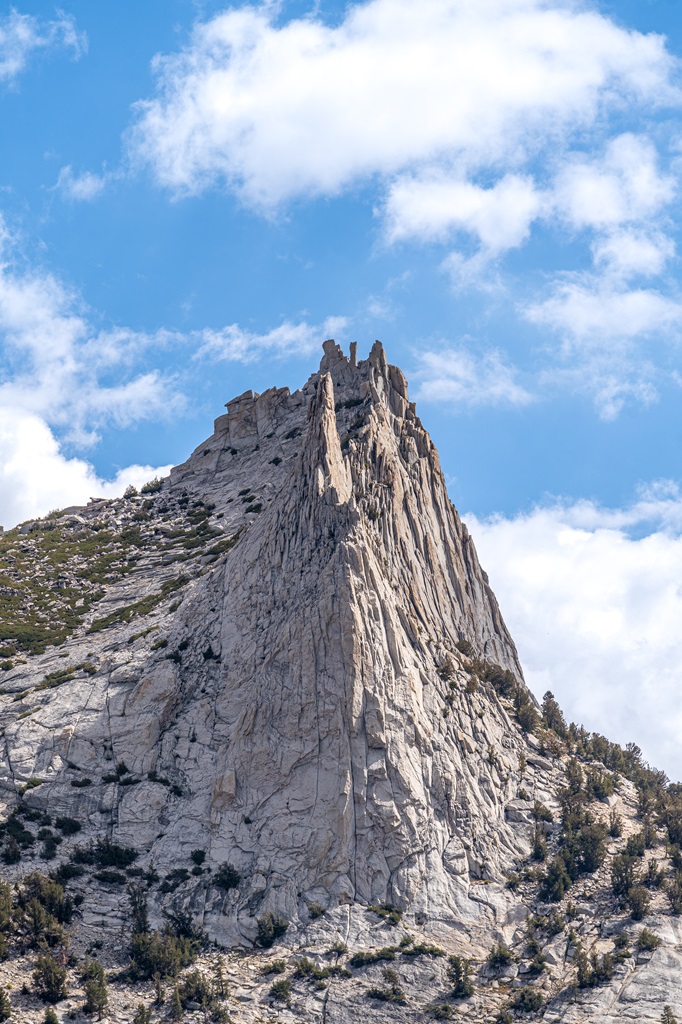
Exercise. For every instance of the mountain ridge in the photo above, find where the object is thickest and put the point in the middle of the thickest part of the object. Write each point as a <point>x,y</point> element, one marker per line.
<point>288,664</point>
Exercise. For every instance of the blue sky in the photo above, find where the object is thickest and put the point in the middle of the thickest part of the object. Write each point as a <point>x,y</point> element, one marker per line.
<point>194,195</point>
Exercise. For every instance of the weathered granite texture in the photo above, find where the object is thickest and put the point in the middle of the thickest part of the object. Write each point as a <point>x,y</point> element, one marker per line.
<point>295,703</point>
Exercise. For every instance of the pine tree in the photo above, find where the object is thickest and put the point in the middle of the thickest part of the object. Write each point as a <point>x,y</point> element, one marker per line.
<point>176,1004</point>
<point>5,1006</point>
<point>49,977</point>
<point>459,971</point>
<point>95,988</point>
<point>50,1016</point>
<point>553,715</point>
<point>668,1017</point>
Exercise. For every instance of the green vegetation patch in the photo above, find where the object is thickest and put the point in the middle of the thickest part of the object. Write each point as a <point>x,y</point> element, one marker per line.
<point>138,608</point>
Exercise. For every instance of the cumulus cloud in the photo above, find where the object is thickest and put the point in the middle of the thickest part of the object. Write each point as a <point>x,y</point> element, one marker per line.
<point>592,598</point>
<point>236,344</point>
<point>21,35</point>
<point>624,185</point>
<point>631,252</point>
<point>431,207</point>
<point>35,475</point>
<point>463,379</point>
<point>302,108</point>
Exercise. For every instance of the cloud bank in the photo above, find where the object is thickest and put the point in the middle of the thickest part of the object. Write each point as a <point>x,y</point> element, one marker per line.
<point>280,111</point>
<point>592,598</point>
<point>35,475</point>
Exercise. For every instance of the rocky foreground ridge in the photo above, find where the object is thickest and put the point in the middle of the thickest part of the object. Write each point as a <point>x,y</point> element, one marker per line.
<point>265,739</point>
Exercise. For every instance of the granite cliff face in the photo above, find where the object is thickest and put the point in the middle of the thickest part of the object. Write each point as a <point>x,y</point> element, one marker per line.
<point>288,658</point>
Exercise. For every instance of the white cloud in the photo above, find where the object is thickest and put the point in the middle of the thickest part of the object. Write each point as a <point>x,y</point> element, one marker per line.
<point>80,187</point>
<point>236,344</point>
<point>462,379</point>
<point>35,476</point>
<point>623,186</point>
<point>611,340</point>
<point>431,207</point>
<point>627,253</point>
<point>612,329</point>
<point>303,108</point>
<point>590,310</point>
<point>22,34</point>
<point>595,612</point>
<point>55,362</point>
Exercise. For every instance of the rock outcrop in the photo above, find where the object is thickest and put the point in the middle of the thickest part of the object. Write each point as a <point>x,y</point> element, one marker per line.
<point>283,660</point>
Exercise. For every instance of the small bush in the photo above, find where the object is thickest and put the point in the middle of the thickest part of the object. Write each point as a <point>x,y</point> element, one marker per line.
<point>372,956</point>
<point>196,988</point>
<point>673,891</point>
<point>152,486</point>
<point>270,928</point>
<point>499,957</point>
<point>624,874</point>
<point>556,881</point>
<point>459,973</point>
<point>161,953</point>
<point>306,968</point>
<point>49,978</point>
<point>109,855</point>
<point>654,876</point>
<point>274,967</point>
<point>622,951</point>
<point>422,949</point>
<point>440,1011</point>
<point>281,989</point>
<point>527,1000</point>
<point>110,876</point>
<point>69,826</point>
<point>393,993</point>
<point>387,912</point>
<point>636,845</point>
<point>542,813</point>
<point>647,941</point>
<point>615,825</point>
<point>594,971</point>
<point>227,877</point>
<point>539,852</point>
<point>639,901</point>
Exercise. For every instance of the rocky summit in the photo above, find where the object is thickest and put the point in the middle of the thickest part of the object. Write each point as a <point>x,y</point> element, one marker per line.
<point>268,755</point>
